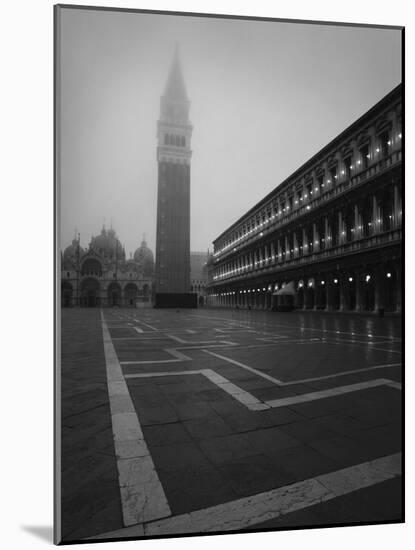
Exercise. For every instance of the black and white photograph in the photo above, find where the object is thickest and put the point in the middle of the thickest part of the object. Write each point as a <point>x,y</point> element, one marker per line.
<point>229,223</point>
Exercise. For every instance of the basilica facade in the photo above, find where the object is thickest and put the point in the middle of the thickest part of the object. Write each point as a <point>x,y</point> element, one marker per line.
<point>101,275</point>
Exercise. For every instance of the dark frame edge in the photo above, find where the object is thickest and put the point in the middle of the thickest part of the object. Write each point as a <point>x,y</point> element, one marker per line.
<point>57,535</point>
<point>403,272</point>
<point>227,16</point>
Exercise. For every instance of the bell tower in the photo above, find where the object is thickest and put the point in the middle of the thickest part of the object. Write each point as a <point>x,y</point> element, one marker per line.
<point>174,130</point>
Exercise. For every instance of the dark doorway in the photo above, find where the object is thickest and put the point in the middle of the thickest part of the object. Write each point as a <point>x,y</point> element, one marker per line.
<point>89,292</point>
<point>114,295</point>
<point>390,289</point>
<point>66,294</point>
<point>300,298</point>
<point>369,292</point>
<point>336,295</point>
<point>130,295</point>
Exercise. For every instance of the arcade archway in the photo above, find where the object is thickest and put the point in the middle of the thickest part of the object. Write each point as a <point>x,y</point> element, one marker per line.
<point>114,294</point>
<point>89,292</point>
<point>130,295</point>
<point>66,294</point>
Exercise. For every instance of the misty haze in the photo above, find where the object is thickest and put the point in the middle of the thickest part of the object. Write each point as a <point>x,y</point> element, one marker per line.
<point>230,219</point>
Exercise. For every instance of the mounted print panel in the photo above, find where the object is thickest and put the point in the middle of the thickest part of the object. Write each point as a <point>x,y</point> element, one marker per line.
<point>229,206</point>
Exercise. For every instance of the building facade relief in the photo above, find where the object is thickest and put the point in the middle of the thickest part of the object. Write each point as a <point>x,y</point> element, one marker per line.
<point>333,229</point>
<point>102,276</point>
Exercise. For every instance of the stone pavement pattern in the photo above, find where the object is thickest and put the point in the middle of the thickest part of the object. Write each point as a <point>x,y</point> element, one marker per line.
<point>230,405</point>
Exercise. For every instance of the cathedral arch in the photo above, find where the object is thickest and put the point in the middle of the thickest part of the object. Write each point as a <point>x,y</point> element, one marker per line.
<point>66,294</point>
<point>89,292</point>
<point>130,294</point>
<point>114,294</point>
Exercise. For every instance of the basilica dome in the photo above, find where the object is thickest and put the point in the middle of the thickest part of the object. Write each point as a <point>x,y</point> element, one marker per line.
<point>107,245</point>
<point>70,254</point>
<point>144,257</point>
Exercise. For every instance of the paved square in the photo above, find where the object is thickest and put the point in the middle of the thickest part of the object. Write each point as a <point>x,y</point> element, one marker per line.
<point>213,420</point>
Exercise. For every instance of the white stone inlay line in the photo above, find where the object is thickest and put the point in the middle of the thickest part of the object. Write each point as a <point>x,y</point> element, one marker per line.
<point>249,511</point>
<point>295,329</point>
<point>246,367</point>
<point>178,358</point>
<point>255,404</point>
<point>339,390</point>
<point>343,373</point>
<point>142,495</point>
<point>178,355</point>
<point>182,341</point>
<point>302,380</point>
<point>244,397</point>
<point>145,324</point>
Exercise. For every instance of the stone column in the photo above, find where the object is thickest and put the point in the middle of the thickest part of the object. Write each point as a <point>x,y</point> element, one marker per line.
<point>342,237</point>
<point>278,251</point>
<point>287,248</point>
<point>359,289</point>
<point>357,222</point>
<point>317,291</point>
<point>324,290</point>
<point>295,245</point>
<point>327,233</point>
<point>343,292</point>
<point>305,242</point>
<point>316,238</point>
<point>330,293</point>
<point>376,226</point>
<point>398,288</point>
<point>379,282</point>
<point>272,251</point>
<point>397,207</point>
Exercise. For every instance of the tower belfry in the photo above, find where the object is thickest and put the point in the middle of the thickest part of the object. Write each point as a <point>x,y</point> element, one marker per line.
<point>174,130</point>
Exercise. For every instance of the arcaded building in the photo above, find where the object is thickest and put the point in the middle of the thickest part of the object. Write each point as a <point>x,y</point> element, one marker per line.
<point>330,234</point>
<point>174,130</point>
<point>101,275</point>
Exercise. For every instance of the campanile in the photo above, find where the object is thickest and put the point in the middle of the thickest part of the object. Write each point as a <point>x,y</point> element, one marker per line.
<point>174,130</point>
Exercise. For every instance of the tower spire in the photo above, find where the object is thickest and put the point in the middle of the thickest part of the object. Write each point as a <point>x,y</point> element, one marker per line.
<point>175,86</point>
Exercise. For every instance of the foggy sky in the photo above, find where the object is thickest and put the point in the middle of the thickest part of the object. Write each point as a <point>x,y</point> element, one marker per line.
<point>265,96</point>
